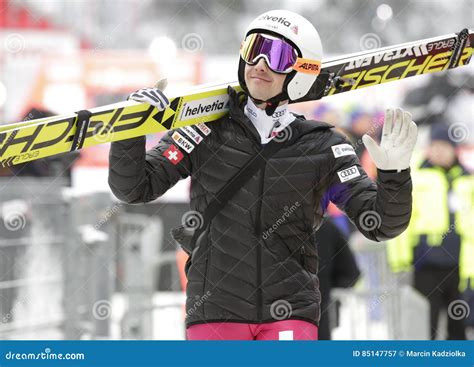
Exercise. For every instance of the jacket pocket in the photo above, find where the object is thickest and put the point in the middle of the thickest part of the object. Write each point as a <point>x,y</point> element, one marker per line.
<point>198,253</point>
<point>184,236</point>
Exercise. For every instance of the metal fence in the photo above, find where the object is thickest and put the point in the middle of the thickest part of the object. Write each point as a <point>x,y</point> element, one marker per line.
<point>33,230</point>
<point>383,305</point>
<point>83,267</point>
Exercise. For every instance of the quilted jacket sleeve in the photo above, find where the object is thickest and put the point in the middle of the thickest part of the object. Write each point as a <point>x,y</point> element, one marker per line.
<point>138,176</point>
<point>381,210</point>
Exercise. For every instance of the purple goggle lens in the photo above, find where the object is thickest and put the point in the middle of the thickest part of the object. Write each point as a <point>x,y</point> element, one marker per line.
<point>279,54</point>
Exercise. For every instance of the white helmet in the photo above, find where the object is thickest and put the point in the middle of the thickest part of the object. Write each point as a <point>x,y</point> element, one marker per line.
<point>302,35</point>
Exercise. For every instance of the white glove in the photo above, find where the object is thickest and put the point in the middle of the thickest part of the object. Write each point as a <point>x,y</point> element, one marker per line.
<point>398,141</point>
<point>152,96</point>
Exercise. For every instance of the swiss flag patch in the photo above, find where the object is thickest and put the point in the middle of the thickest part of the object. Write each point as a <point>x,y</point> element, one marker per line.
<point>173,154</point>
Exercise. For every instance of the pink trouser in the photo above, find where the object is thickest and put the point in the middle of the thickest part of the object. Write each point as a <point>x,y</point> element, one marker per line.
<point>278,330</point>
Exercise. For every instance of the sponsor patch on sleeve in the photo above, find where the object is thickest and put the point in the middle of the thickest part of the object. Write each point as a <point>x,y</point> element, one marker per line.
<point>193,134</point>
<point>203,128</point>
<point>182,142</point>
<point>341,150</point>
<point>173,154</point>
<point>348,173</point>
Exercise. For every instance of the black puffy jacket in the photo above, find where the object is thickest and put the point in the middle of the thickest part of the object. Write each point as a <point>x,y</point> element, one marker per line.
<point>258,261</point>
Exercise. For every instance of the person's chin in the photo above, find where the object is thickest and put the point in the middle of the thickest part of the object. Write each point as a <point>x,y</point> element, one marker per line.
<point>258,94</point>
<point>259,97</point>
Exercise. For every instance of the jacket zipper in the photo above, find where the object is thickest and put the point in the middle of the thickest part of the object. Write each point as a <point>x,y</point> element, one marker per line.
<point>258,228</point>
<point>255,139</point>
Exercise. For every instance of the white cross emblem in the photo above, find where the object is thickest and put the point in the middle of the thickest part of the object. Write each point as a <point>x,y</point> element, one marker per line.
<point>173,155</point>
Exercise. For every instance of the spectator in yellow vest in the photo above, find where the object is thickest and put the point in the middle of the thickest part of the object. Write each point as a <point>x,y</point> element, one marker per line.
<point>439,243</point>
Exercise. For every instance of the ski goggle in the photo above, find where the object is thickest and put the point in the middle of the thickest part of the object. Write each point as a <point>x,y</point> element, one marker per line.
<point>281,57</point>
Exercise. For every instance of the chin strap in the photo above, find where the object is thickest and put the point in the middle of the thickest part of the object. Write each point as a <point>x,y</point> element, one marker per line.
<point>272,103</point>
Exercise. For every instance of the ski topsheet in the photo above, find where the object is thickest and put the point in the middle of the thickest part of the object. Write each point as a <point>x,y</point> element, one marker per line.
<point>29,140</point>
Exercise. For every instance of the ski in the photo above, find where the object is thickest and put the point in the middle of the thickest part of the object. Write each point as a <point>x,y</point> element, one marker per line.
<point>30,140</point>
